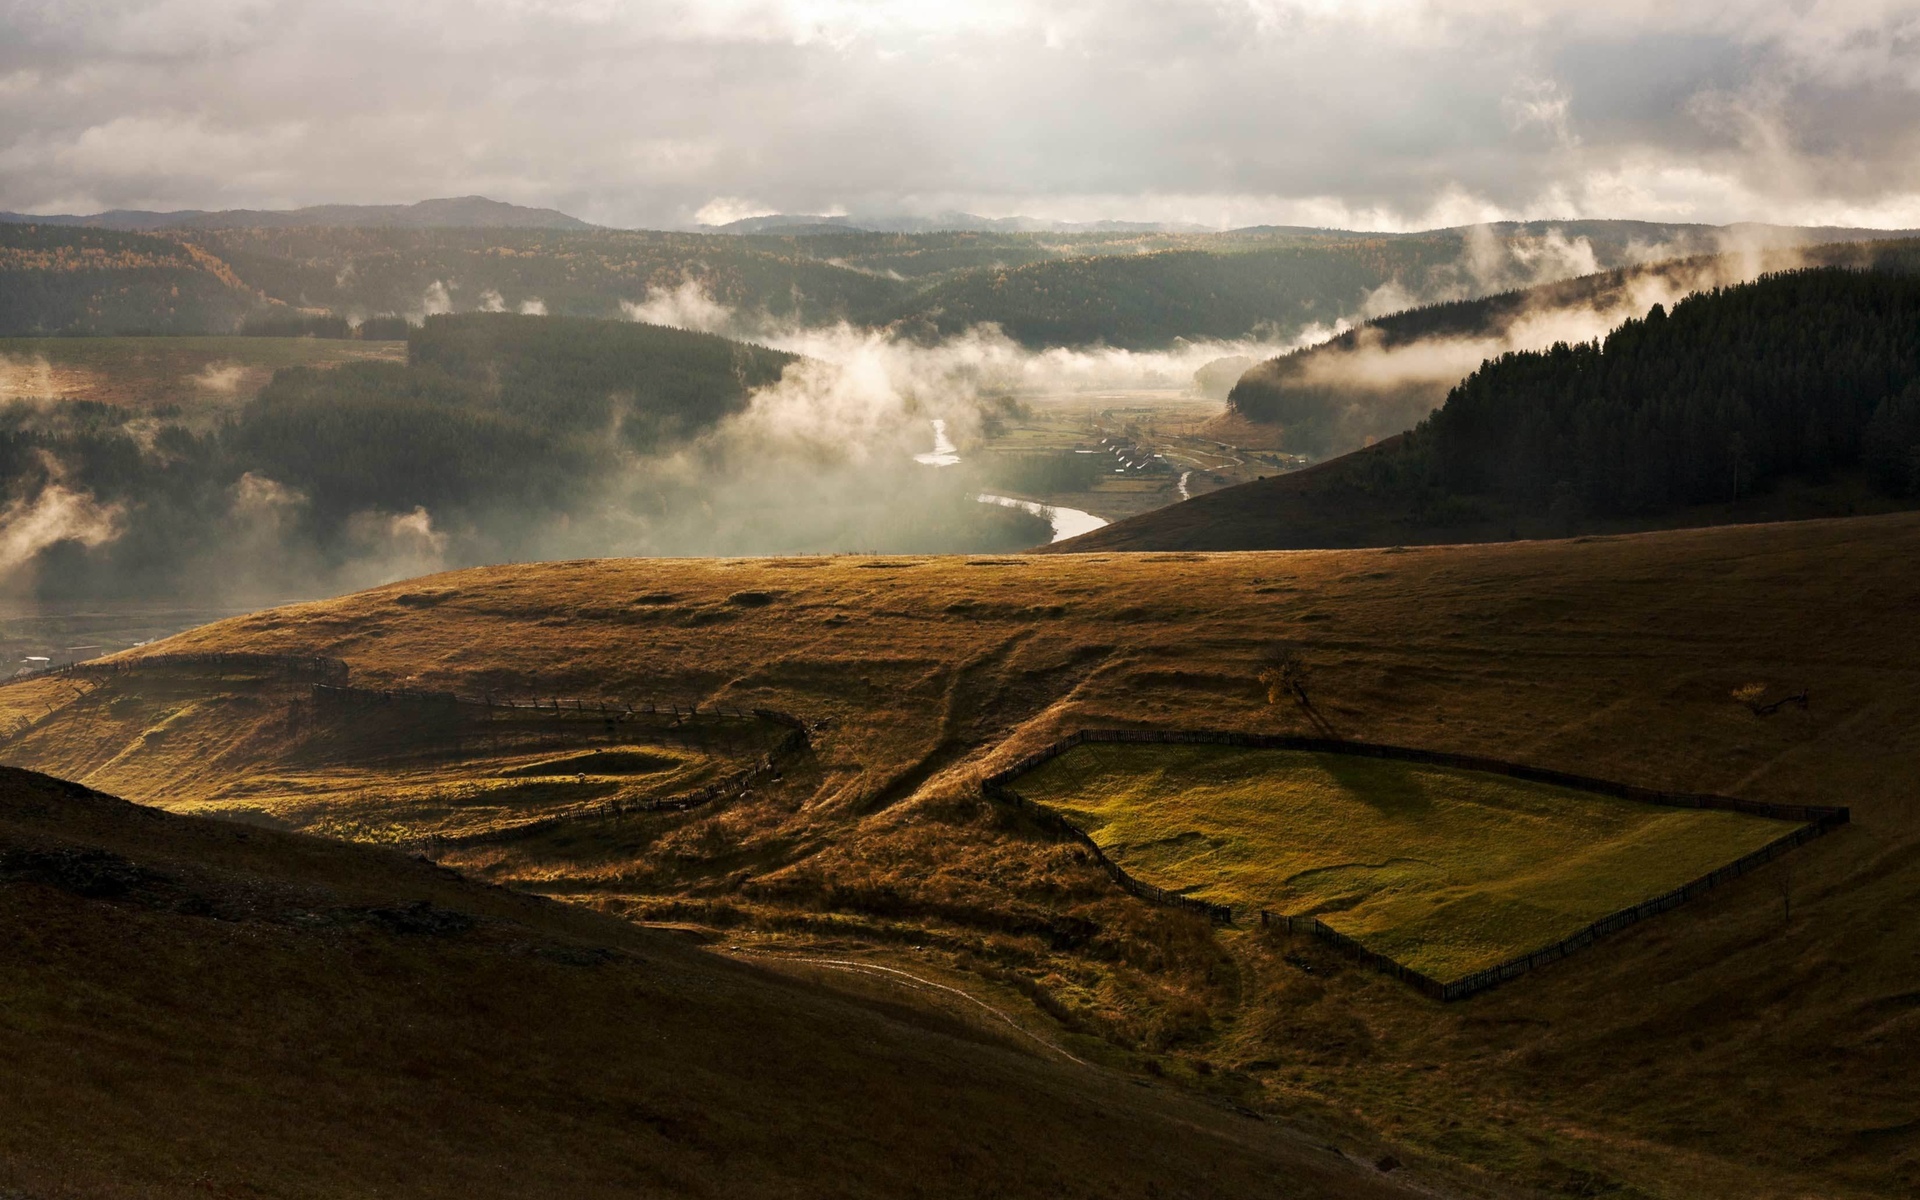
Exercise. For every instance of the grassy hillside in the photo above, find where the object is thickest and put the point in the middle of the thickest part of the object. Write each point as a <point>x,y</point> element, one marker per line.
<point>1635,1068</point>
<point>193,1007</point>
<point>1448,872</point>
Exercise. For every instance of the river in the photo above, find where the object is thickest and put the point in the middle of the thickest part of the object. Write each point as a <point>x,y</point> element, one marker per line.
<point>1067,522</point>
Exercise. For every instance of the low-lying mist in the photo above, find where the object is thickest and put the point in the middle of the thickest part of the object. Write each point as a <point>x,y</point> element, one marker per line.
<point>536,437</point>
<point>1386,375</point>
<point>340,478</point>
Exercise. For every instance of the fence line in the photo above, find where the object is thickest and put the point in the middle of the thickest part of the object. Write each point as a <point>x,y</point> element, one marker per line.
<point>293,666</point>
<point>1816,820</point>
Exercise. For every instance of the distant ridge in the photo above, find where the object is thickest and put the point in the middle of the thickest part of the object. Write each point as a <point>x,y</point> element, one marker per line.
<point>949,222</point>
<point>460,212</point>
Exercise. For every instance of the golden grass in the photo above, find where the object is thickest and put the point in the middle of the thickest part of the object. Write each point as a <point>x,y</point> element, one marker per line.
<point>1448,872</point>
<point>1720,1049</point>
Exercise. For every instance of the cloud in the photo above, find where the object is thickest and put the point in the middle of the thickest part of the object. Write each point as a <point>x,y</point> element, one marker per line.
<point>56,513</point>
<point>1378,113</point>
<point>220,378</point>
<point>724,210</point>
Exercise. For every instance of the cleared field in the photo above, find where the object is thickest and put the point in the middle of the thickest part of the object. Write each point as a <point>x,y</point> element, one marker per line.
<point>1446,871</point>
<point>154,372</point>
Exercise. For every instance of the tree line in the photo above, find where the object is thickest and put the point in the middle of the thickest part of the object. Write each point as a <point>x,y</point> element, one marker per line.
<point>1804,374</point>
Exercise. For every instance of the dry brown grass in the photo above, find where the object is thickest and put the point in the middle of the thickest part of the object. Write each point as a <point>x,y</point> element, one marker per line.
<point>192,1008</point>
<point>1717,1050</point>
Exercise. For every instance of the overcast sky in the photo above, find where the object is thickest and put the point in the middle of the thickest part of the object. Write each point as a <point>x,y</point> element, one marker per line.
<point>1363,113</point>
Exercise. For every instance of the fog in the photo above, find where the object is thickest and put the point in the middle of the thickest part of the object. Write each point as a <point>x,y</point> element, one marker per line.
<point>1375,382</point>
<point>819,461</point>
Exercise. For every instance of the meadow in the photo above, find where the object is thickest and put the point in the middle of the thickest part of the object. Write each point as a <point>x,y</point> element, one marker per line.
<point>1445,871</point>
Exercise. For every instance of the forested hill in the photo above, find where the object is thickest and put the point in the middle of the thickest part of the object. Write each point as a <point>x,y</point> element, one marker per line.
<point>1806,374</point>
<point>1223,289</point>
<point>1133,289</point>
<point>498,422</point>
<point>1387,374</point>
<point>493,411</point>
<point>1795,395</point>
<point>94,281</point>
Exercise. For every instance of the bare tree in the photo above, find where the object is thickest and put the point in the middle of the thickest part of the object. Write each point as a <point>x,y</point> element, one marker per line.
<point>1285,674</point>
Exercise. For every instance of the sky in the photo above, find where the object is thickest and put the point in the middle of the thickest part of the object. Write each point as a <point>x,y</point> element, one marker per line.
<point>1377,114</point>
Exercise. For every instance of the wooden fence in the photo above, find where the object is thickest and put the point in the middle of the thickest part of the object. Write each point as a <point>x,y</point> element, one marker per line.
<point>1814,820</point>
<point>286,666</point>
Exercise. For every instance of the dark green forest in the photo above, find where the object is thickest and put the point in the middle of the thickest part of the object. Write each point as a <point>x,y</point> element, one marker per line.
<point>1806,374</point>
<point>492,410</point>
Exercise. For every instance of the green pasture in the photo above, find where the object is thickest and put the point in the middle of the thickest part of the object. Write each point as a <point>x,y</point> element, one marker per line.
<point>1446,871</point>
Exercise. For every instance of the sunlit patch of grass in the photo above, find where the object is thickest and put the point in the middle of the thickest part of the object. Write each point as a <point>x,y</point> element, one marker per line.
<point>1447,871</point>
<point>601,762</point>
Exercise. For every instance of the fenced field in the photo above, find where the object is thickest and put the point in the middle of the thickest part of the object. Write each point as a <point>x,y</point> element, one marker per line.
<point>1450,873</point>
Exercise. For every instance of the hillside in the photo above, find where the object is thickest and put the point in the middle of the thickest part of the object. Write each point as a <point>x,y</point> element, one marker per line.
<point>1128,287</point>
<point>1385,375</point>
<point>497,423</point>
<point>90,281</point>
<point>1635,1068</point>
<point>1788,397</point>
<point>1146,300</point>
<point>240,1011</point>
<point>183,375</point>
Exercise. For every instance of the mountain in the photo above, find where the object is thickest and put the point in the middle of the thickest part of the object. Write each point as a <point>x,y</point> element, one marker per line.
<point>463,212</point>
